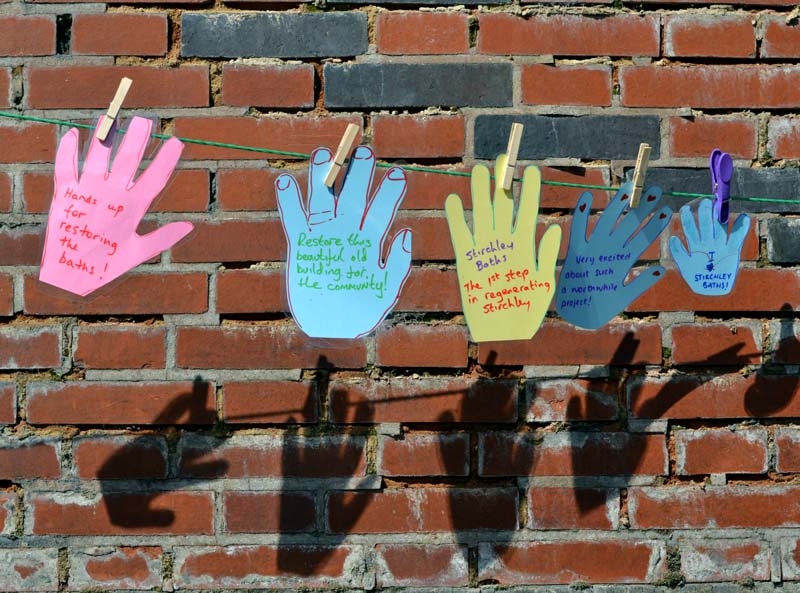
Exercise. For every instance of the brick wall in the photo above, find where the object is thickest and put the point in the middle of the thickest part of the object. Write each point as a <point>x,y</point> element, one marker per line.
<point>177,431</point>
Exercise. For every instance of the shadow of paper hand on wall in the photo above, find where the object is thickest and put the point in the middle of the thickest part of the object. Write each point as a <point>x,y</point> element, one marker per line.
<point>139,509</point>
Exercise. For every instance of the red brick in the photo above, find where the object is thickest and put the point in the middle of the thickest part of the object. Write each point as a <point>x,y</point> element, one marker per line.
<point>24,460</point>
<point>252,189</point>
<point>689,507</point>
<point>559,400</point>
<point>27,35</point>
<point>566,85</point>
<point>422,510</point>
<point>430,289</point>
<point>444,399</point>
<point>251,291</point>
<point>726,396</point>
<point>134,294</point>
<point>716,344</point>
<point>30,347</point>
<point>572,508</point>
<point>749,87</point>
<point>188,191</point>
<point>233,241</point>
<point>418,136</point>
<point>5,188</point>
<point>287,85</point>
<point>721,452</point>
<point>573,454</point>
<point>6,295</point>
<point>569,35</point>
<point>421,345</point>
<point>119,34</point>
<point>713,560</point>
<point>5,87</point>
<point>697,137</point>
<point>717,35</point>
<point>273,456</point>
<point>254,346</point>
<point>787,446</point>
<point>748,294</point>
<point>128,458</point>
<point>120,347</point>
<point>417,33</point>
<point>783,141</point>
<point>300,134</point>
<point>269,512</point>
<point>431,237</point>
<point>21,246</point>
<point>118,568</point>
<point>8,403</point>
<point>269,402</point>
<point>175,513</point>
<point>420,454</point>
<point>121,403</point>
<point>247,566</point>
<point>558,342</point>
<point>781,40</point>
<point>409,565</point>
<point>37,192</point>
<point>566,562</point>
<point>27,142</point>
<point>85,87</point>
<point>30,569</point>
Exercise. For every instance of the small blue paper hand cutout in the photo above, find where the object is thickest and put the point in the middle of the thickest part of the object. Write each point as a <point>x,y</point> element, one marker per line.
<point>591,287</point>
<point>336,282</point>
<point>710,265</point>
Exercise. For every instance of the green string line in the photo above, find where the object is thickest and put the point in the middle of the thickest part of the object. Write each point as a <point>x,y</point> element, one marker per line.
<point>302,155</point>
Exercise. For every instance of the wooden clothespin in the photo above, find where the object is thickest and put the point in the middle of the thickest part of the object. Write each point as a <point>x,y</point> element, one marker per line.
<point>345,145</point>
<point>113,109</point>
<point>639,173</point>
<point>507,176</point>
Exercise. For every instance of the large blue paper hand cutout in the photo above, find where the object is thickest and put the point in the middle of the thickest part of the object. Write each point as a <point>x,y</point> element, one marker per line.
<point>337,284</point>
<point>591,287</point>
<point>710,265</point>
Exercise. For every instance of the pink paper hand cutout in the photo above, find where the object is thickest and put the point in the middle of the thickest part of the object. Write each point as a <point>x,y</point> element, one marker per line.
<point>91,230</point>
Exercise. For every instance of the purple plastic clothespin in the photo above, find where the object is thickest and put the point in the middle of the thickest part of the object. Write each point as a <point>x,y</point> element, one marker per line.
<point>721,165</point>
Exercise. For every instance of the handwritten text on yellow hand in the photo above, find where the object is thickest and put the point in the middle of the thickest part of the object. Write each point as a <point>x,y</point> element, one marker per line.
<point>505,291</point>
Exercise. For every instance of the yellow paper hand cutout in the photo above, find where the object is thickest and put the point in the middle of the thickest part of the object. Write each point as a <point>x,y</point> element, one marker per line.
<point>505,291</point>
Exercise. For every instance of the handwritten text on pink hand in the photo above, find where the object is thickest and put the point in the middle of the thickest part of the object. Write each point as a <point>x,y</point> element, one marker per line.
<point>91,230</point>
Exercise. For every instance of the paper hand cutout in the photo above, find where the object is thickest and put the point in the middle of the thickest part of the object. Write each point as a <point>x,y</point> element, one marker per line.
<point>336,282</point>
<point>505,291</point>
<point>710,265</point>
<point>91,230</point>
<point>591,285</point>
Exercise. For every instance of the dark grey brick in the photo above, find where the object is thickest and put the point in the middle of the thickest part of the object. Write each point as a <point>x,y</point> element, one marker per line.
<point>585,137</point>
<point>782,244</point>
<point>417,85</point>
<point>780,184</point>
<point>285,35</point>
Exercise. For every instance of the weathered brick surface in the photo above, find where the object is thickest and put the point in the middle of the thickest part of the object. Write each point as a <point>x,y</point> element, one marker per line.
<point>175,430</point>
<point>123,568</point>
